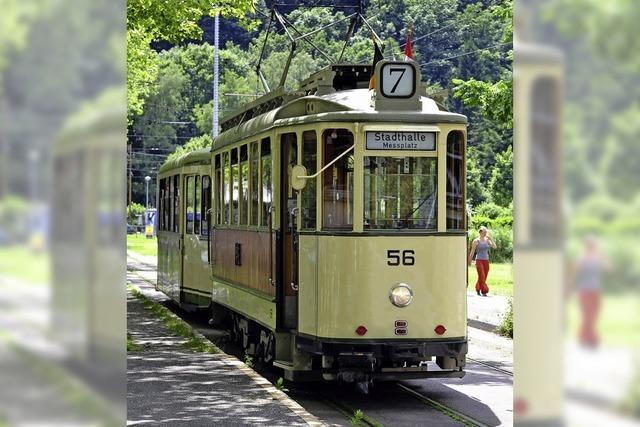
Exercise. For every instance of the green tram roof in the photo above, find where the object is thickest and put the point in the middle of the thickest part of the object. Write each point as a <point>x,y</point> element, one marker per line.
<point>352,105</point>
<point>198,157</point>
<point>99,123</point>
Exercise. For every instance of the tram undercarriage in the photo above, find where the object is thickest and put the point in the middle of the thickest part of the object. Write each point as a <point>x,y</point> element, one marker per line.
<point>307,359</point>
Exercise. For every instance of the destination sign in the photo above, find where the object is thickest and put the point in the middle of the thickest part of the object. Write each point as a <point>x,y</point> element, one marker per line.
<point>411,141</point>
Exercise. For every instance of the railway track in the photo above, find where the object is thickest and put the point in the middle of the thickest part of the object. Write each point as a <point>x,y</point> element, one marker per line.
<point>453,413</point>
<point>363,418</point>
<point>491,366</point>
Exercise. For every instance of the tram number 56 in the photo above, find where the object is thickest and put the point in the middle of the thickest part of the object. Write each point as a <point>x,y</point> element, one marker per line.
<point>397,257</point>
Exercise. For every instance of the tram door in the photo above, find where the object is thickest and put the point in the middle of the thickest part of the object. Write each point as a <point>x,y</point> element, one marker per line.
<point>288,220</point>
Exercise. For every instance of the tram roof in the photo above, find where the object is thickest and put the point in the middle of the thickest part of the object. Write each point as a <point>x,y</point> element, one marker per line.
<point>202,156</point>
<point>352,105</point>
<point>97,124</point>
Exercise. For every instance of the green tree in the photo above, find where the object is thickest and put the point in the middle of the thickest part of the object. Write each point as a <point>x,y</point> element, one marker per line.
<point>15,21</point>
<point>501,182</point>
<point>195,143</point>
<point>476,191</point>
<point>493,96</point>
<point>436,18</point>
<point>156,20</point>
<point>619,165</point>
<point>133,211</point>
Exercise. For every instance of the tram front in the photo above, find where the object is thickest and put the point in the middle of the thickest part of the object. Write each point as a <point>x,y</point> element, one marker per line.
<point>382,241</point>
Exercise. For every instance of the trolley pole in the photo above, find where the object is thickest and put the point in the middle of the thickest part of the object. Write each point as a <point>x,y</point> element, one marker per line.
<point>216,41</point>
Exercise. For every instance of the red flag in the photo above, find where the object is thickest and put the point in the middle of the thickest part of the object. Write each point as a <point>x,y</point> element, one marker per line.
<point>408,49</point>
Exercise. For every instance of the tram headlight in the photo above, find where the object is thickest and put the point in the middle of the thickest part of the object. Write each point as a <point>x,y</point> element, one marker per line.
<point>401,295</point>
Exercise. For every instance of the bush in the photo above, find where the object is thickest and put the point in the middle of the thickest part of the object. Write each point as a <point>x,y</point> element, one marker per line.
<point>503,236</point>
<point>14,215</point>
<point>133,210</point>
<point>479,220</point>
<point>505,328</point>
<point>492,211</point>
<point>500,222</point>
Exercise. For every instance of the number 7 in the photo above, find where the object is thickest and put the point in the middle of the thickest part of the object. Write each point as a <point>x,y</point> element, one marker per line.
<point>397,70</point>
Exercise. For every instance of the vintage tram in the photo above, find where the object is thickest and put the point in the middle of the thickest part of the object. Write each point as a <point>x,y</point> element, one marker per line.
<point>328,225</point>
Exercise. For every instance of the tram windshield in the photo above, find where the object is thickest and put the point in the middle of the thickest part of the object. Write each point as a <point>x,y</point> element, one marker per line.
<point>400,193</point>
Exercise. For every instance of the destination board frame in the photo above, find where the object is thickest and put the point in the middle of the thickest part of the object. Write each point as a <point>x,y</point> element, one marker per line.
<point>379,140</point>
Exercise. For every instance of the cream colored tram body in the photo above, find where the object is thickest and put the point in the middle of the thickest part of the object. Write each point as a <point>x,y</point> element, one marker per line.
<point>538,242</point>
<point>337,228</point>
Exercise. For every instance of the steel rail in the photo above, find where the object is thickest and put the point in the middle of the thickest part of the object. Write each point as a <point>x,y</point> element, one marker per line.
<point>455,414</point>
<point>492,366</point>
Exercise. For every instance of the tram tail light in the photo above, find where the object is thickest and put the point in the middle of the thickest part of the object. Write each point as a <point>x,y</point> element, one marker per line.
<point>361,330</point>
<point>440,329</point>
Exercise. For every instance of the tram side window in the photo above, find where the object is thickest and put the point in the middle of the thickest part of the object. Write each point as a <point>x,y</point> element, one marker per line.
<point>455,181</point>
<point>267,188</point>
<point>189,211</point>
<point>546,211</point>
<point>176,203</point>
<point>171,201</point>
<point>255,182</point>
<point>206,205</point>
<point>226,192</point>
<point>161,205</point>
<point>217,195</point>
<point>164,204</point>
<point>244,185</point>
<point>289,144</point>
<point>337,180</point>
<point>235,187</point>
<point>196,208</point>
<point>400,193</point>
<point>309,160</point>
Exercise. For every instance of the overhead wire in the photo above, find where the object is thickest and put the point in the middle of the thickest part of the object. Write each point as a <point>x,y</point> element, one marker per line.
<point>465,54</point>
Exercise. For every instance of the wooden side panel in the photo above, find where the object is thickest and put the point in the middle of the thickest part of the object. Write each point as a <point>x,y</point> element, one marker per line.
<point>253,271</point>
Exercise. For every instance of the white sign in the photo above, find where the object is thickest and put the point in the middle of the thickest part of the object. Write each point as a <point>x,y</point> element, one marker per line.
<point>398,80</point>
<point>411,141</point>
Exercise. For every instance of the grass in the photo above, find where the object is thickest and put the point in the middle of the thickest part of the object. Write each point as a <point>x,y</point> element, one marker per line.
<point>500,278</point>
<point>618,323</point>
<point>131,346</point>
<point>140,244</point>
<point>631,403</point>
<point>23,264</point>
<point>175,324</point>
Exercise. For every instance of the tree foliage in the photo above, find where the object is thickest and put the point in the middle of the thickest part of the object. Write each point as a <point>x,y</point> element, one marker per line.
<point>493,97</point>
<point>501,182</point>
<point>133,211</point>
<point>15,21</point>
<point>175,22</point>
<point>455,41</point>
<point>194,144</point>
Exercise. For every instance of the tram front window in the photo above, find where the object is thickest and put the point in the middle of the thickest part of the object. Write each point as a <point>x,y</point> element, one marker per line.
<point>400,193</point>
<point>337,181</point>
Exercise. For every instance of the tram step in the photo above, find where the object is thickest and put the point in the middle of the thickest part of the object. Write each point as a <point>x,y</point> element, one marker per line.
<point>283,364</point>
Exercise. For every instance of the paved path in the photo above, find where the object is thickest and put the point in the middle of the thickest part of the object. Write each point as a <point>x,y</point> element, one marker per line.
<point>488,310</point>
<point>592,397</point>
<point>170,385</point>
<point>38,385</point>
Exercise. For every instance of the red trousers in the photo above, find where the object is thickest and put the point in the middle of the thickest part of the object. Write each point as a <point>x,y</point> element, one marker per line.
<point>590,304</point>
<point>482,267</point>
